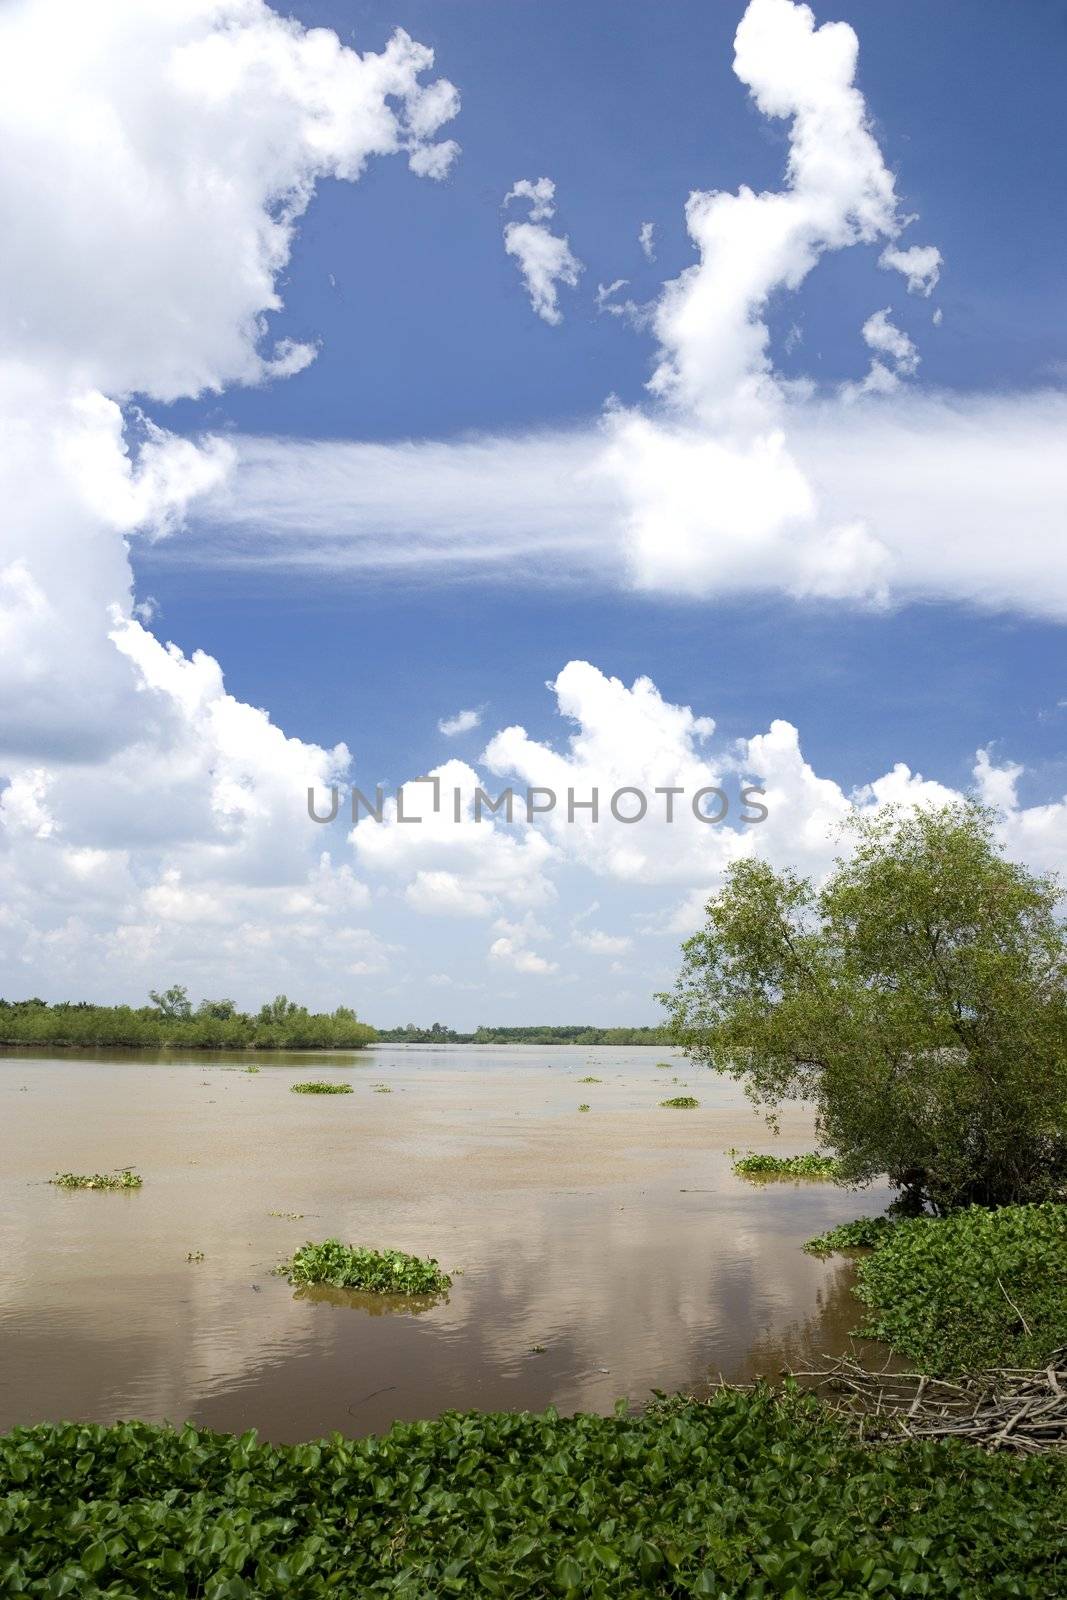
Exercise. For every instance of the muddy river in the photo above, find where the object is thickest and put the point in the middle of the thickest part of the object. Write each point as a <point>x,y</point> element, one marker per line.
<point>596,1255</point>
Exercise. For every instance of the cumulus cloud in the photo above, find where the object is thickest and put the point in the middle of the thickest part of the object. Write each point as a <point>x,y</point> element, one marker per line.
<point>151,824</point>
<point>154,163</point>
<point>512,947</point>
<point>724,437</point>
<point>545,259</point>
<point>881,335</point>
<point>462,722</point>
<point>459,860</point>
<point>158,164</point>
<point>921,265</point>
<point>706,492</point>
<point>714,359</point>
<point>623,739</point>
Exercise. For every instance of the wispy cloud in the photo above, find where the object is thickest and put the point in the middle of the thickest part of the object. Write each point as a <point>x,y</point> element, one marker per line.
<point>462,722</point>
<point>936,478</point>
<point>545,259</point>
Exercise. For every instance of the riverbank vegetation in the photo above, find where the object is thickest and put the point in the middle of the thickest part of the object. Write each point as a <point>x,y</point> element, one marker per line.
<point>866,1233</point>
<point>979,1289</point>
<point>918,999</point>
<point>346,1266</point>
<point>750,1495</point>
<point>172,1022</point>
<point>546,1033</point>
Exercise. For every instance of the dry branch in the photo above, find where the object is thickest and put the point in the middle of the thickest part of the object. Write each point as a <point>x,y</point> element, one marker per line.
<point>1006,1408</point>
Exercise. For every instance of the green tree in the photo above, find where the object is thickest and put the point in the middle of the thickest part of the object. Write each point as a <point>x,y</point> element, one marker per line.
<point>219,1010</point>
<point>918,999</point>
<point>173,1002</point>
<point>280,1009</point>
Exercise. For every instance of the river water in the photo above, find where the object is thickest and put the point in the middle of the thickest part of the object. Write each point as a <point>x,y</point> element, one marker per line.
<point>618,1240</point>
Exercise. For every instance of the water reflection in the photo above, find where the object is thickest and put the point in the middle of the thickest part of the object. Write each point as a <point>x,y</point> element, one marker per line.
<point>619,1241</point>
<point>374,1305</point>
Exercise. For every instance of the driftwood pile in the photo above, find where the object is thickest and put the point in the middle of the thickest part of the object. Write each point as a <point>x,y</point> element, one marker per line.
<point>1019,1409</point>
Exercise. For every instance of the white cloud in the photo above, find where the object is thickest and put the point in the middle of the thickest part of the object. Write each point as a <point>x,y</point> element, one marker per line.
<point>630,737</point>
<point>596,943</point>
<point>714,360</point>
<point>545,259</point>
<point>886,339</point>
<point>541,195</point>
<point>932,479</point>
<point>722,471</point>
<point>646,240</point>
<point>464,867</point>
<point>719,491</point>
<point>921,265</point>
<point>882,335</point>
<point>512,948</point>
<point>153,164</point>
<point>152,828</point>
<point>636,314</point>
<point>158,157</point>
<point>462,722</point>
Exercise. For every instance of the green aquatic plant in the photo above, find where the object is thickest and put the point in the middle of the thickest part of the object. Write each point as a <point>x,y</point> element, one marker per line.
<point>122,1178</point>
<point>194,1255</point>
<point>664,1066</point>
<point>866,1233</point>
<point>290,1216</point>
<point>681,1102</point>
<point>318,1086</point>
<point>751,1496</point>
<point>980,1288</point>
<point>590,1079</point>
<point>810,1165</point>
<point>583,1107</point>
<point>347,1266</point>
<point>250,1069</point>
<point>381,1088</point>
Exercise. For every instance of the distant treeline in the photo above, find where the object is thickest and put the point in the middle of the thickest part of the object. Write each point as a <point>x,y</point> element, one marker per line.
<point>171,1021</point>
<point>576,1033</point>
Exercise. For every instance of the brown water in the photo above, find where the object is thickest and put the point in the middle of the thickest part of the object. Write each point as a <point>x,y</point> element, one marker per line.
<point>619,1239</point>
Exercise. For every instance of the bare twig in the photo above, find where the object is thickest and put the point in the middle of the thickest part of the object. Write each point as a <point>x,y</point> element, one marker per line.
<point>1009,1408</point>
<point>1014,1307</point>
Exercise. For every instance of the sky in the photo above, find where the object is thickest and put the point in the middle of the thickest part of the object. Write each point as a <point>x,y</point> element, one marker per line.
<point>644,397</point>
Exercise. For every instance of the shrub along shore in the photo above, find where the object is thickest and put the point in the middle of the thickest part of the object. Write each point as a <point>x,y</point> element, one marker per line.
<point>171,1023</point>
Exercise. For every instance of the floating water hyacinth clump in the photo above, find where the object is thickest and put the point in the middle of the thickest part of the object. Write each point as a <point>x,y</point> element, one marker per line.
<point>122,1178</point>
<point>809,1165</point>
<point>347,1266</point>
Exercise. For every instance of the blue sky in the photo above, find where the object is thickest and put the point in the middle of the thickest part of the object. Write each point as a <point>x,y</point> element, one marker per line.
<point>426,332</point>
<point>833,523</point>
<point>629,107</point>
